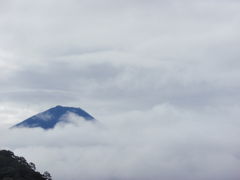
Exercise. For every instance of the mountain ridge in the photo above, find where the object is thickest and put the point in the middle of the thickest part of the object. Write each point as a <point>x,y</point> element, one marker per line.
<point>50,118</point>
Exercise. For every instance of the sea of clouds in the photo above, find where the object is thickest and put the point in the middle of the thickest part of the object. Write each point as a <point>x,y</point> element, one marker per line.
<point>162,143</point>
<point>161,77</point>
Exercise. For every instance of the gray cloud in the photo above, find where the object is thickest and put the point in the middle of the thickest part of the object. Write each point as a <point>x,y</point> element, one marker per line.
<point>121,61</point>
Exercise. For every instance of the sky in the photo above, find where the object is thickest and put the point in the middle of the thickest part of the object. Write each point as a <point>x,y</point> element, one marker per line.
<point>161,77</point>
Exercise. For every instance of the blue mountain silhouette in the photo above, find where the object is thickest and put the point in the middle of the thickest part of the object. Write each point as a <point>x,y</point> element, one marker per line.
<point>51,117</point>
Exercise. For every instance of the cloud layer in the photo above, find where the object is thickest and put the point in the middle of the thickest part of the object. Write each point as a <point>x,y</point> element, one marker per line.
<point>140,53</point>
<point>162,143</point>
<point>162,77</point>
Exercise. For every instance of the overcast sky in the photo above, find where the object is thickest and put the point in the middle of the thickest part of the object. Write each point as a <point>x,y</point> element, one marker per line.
<point>162,77</point>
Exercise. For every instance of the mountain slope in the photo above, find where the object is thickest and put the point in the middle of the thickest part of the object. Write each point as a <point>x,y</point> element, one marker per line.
<point>17,168</point>
<point>51,117</point>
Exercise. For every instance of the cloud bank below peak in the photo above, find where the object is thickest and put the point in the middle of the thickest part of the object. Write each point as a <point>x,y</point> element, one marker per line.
<point>164,142</point>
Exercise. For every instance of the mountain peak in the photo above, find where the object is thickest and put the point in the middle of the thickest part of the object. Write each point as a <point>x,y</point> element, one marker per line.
<point>51,117</point>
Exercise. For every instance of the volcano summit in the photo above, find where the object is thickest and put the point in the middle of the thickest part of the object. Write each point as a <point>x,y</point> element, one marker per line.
<point>51,117</point>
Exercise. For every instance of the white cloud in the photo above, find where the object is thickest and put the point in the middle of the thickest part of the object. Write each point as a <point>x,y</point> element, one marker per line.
<point>162,143</point>
<point>121,61</point>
